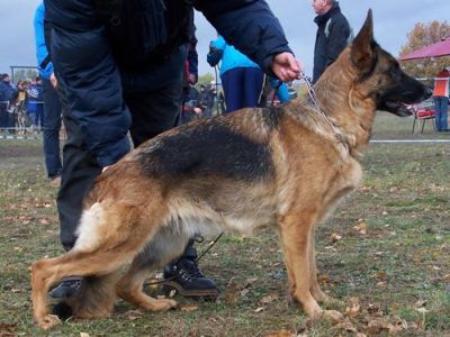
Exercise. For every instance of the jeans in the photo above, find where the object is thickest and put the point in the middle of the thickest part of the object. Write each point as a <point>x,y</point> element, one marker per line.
<point>152,112</point>
<point>441,108</point>
<point>242,87</point>
<point>52,125</point>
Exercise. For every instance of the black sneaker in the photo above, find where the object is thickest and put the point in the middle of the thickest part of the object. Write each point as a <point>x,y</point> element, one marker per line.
<point>67,288</point>
<point>186,278</point>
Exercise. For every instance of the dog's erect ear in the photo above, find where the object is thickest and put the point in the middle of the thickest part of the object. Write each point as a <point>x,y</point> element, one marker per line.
<point>363,53</point>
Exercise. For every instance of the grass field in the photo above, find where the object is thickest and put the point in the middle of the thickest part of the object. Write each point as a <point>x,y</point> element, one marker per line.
<point>385,254</point>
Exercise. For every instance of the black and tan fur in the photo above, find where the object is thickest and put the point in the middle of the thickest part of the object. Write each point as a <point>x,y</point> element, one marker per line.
<point>285,167</point>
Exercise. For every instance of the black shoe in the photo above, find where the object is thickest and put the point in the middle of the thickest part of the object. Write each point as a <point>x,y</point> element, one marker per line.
<point>186,278</point>
<point>65,289</point>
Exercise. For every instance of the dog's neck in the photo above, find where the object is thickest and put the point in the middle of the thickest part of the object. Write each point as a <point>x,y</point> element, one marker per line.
<point>351,111</point>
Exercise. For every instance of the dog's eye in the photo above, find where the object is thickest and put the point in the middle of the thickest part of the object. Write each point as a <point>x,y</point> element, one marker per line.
<point>395,72</point>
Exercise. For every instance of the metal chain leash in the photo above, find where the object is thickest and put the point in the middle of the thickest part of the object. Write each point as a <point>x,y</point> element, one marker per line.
<point>313,97</point>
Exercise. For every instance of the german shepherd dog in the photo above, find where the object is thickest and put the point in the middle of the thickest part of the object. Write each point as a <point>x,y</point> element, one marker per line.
<point>286,167</point>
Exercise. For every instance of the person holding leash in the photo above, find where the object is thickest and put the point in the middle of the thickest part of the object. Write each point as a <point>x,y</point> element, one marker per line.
<point>119,65</point>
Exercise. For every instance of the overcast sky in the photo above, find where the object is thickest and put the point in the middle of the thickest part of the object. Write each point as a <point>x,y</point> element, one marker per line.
<point>393,20</point>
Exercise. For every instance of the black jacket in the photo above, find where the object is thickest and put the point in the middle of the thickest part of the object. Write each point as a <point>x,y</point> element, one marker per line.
<point>332,37</point>
<point>95,59</point>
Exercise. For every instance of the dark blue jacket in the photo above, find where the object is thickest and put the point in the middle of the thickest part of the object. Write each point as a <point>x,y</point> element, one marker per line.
<point>333,34</point>
<point>7,92</point>
<point>92,57</point>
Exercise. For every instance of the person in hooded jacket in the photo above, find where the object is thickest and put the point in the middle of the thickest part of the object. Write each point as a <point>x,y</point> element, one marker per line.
<point>119,65</point>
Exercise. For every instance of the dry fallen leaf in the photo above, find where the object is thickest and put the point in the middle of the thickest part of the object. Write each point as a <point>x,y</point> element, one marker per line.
<point>281,333</point>
<point>354,308</point>
<point>422,310</point>
<point>420,303</point>
<point>269,298</point>
<point>347,325</point>
<point>398,325</point>
<point>374,309</point>
<point>84,334</point>
<point>379,324</point>
<point>323,278</point>
<point>133,315</point>
<point>335,237</point>
<point>7,330</point>
<point>361,228</point>
<point>189,307</point>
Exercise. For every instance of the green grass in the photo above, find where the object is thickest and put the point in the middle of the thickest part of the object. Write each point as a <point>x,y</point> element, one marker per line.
<point>402,259</point>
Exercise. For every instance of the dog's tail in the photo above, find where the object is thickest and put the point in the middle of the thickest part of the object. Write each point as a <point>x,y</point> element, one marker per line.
<point>94,299</point>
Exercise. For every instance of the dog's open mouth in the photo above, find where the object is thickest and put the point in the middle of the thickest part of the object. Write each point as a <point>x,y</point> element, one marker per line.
<point>398,108</point>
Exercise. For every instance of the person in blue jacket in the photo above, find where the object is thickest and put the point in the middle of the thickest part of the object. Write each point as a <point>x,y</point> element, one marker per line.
<point>52,106</point>
<point>7,95</point>
<point>242,79</point>
<point>119,65</point>
<point>35,104</point>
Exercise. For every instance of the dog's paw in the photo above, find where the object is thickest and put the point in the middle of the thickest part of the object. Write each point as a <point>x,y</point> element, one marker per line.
<point>333,315</point>
<point>163,305</point>
<point>48,322</point>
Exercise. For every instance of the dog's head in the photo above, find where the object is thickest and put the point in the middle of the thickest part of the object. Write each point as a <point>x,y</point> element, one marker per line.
<point>379,74</point>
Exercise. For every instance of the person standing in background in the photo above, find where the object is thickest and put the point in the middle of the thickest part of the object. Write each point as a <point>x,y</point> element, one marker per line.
<point>333,34</point>
<point>440,96</point>
<point>35,103</point>
<point>242,79</point>
<point>7,95</point>
<point>52,106</point>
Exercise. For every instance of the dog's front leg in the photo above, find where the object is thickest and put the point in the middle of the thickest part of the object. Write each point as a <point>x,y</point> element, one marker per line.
<point>296,235</point>
<point>317,293</point>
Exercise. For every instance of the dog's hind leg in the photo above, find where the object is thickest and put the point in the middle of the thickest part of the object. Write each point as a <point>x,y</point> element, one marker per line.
<point>94,299</point>
<point>131,289</point>
<point>167,245</point>
<point>110,237</point>
<point>47,272</point>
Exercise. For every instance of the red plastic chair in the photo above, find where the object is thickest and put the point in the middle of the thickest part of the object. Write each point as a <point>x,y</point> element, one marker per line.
<point>422,112</point>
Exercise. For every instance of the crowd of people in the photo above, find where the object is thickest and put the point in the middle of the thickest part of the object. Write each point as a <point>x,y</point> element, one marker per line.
<point>21,105</point>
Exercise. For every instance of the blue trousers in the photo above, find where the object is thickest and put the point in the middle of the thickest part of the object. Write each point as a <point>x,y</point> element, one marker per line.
<point>4,116</point>
<point>441,108</point>
<point>52,125</point>
<point>242,87</point>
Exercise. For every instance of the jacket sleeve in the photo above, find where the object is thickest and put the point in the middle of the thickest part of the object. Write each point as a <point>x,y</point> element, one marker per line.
<point>193,57</point>
<point>89,78</point>
<point>248,25</point>
<point>338,39</point>
<point>44,64</point>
